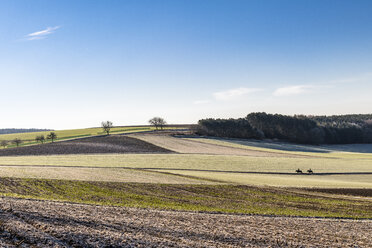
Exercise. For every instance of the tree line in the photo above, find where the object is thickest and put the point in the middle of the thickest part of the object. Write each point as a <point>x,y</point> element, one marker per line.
<point>340,129</point>
<point>41,138</point>
<point>157,122</point>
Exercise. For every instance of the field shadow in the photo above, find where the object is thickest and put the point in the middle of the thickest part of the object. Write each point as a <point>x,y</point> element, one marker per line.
<point>286,146</point>
<point>361,148</point>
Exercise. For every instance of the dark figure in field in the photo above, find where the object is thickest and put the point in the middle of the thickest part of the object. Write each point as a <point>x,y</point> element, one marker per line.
<point>310,171</point>
<point>299,171</point>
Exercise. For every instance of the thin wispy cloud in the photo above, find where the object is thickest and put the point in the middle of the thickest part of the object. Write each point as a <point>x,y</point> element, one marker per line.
<point>42,34</point>
<point>198,102</point>
<point>292,90</point>
<point>307,88</point>
<point>360,78</point>
<point>298,89</point>
<point>234,93</point>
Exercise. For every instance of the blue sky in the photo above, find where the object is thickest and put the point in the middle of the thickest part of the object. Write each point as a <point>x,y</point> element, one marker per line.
<point>71,64</point>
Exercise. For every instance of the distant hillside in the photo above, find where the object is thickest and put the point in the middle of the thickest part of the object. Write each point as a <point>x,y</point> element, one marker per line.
<point>22,130</point>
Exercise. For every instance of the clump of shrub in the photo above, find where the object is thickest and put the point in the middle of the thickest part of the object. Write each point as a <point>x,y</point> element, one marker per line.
<point>4,143</point>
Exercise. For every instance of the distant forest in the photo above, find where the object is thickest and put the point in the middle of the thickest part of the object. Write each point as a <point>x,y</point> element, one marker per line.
<point>336,129</point>
<point>22,130</point>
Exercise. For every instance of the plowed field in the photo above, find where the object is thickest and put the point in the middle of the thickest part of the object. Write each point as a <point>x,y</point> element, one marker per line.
<point>30,223</point>
<point>102,144</point>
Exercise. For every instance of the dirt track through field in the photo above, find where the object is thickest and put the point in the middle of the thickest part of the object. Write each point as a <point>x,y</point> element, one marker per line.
<point>181,145</point>
<point>33,223</point>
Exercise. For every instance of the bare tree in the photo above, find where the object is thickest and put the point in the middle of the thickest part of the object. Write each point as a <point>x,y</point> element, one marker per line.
<point>158,122</point>
<point>106,126</point>
<point>52,136</point>
<point>40,138</point>
<point>17,141</point>
<point>4,143</point>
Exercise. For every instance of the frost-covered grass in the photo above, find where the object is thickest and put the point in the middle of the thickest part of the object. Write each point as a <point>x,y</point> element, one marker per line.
<point>353,151</point>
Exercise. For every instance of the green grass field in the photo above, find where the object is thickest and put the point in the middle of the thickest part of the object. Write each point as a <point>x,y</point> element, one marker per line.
<point>212,198</point>
<point>68,133</point>
<point>29,138</point>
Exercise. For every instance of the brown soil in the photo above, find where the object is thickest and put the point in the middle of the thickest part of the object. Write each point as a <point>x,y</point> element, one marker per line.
<point>102,144</point>
<point>30,223</point>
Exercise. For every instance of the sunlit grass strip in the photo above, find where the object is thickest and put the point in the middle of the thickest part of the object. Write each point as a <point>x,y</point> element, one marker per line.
<point>49,141</point>
<point>29,138</point>
<point>63,134</point>
<point>98,174</point>
<point>316,181</point>
<point>210,198</point>
<point>197,161</point>
<point>60,133</point>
